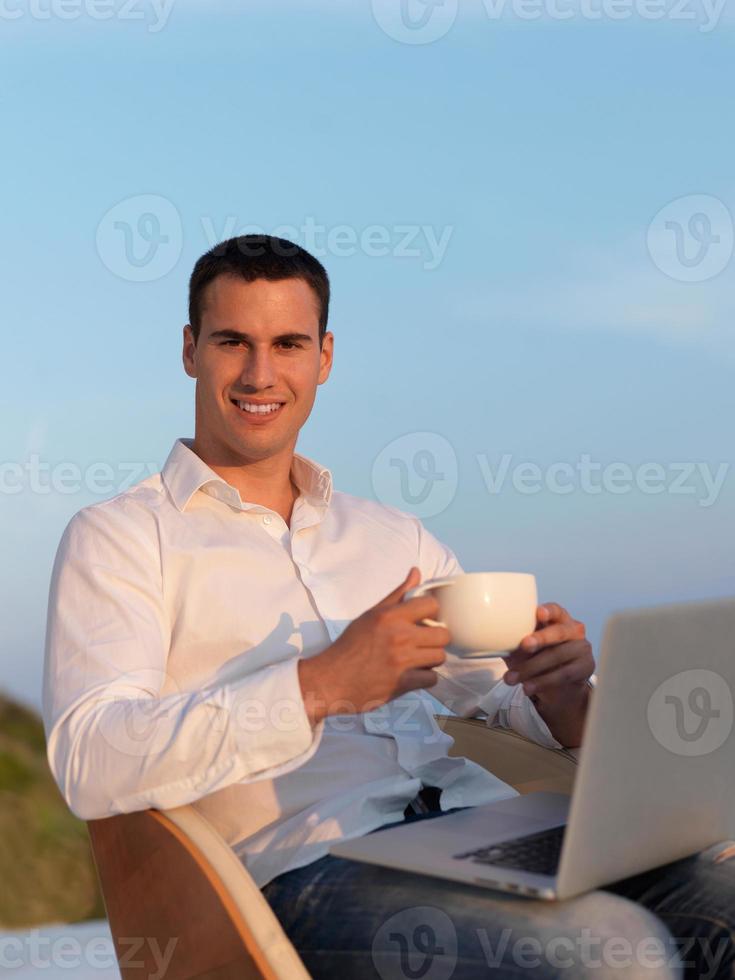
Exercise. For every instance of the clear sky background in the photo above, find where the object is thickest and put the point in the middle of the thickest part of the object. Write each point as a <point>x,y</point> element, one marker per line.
<point>488,203</point>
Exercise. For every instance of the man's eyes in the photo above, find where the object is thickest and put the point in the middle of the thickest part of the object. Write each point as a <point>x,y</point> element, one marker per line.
<point>287,344</point>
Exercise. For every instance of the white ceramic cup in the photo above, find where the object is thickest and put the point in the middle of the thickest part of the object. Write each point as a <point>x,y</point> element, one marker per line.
<point>486,613</point>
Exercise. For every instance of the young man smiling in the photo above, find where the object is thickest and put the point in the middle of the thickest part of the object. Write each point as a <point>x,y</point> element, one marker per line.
<point>233,633</point>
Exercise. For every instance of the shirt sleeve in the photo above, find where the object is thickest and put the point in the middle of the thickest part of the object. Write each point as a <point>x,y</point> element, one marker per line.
<point>115,742</point>
<point>473,686</point>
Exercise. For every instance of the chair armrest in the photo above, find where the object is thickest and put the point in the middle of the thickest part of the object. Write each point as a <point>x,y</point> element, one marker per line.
<point>278,955</point>
<point>523,764</point>
<point>169,878</point>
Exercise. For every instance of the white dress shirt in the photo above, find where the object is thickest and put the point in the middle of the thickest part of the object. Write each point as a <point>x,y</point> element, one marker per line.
<point>177,616</point>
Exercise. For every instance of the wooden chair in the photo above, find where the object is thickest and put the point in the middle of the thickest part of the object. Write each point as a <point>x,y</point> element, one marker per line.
<point>169,879</point>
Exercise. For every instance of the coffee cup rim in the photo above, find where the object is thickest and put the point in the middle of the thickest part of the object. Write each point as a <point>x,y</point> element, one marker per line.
<point>505,574</point>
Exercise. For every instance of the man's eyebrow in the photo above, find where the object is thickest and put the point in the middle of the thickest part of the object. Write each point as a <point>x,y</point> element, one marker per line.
<point>230,334</point>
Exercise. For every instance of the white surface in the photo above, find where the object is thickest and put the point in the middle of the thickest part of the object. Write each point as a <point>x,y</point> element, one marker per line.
<point>82,950</point>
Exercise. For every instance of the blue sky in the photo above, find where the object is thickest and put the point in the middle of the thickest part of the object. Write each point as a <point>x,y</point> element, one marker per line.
<point>489,208</point>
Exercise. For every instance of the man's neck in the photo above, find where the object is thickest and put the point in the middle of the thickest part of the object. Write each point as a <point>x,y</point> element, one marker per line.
<point>264,481</point>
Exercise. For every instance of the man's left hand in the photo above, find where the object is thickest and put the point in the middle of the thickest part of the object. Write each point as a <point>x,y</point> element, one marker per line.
<point>554,661</point>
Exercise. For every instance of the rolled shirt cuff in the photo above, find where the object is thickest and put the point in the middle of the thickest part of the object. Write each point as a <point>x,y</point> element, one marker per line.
<point>517,711</point>
<point>509,707</point>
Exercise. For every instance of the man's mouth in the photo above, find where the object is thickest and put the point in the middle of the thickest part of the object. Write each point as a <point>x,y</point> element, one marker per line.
<point>258,410</point>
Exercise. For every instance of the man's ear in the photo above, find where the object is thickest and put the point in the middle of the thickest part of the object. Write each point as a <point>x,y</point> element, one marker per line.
<point>326,355</point>
<point>188,354</point>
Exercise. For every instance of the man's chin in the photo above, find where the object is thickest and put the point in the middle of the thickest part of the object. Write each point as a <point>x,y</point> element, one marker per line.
<point>258,447</point>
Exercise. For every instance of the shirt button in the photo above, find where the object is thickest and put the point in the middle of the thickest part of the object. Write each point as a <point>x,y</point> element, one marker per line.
<point>267,519</point>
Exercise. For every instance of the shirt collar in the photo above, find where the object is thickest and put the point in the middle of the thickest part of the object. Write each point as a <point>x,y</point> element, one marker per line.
<point>184,473</point>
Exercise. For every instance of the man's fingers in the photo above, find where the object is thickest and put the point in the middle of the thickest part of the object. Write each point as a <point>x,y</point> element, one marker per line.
<point>410,582</point>
<point>431,657</point>
<point>568,661</point>
<point>552,612</point>
<point>432,636</point>
<point>417,677</point>
<point>546,660</point>
<point>549,635</point>
<point>571,672</point>
<point>424,658</point>
<point>422,607</point>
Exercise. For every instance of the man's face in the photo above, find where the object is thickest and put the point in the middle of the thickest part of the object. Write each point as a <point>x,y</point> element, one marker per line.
<point>258,346</point>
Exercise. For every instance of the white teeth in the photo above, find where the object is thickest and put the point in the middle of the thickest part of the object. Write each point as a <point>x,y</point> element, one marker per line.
<point>258,409</point>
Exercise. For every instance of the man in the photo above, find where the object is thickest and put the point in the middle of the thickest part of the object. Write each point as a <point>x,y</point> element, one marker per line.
<point>233,633</point>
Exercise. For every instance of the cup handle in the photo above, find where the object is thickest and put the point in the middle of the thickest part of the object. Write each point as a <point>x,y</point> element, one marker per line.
<point>433,583</point>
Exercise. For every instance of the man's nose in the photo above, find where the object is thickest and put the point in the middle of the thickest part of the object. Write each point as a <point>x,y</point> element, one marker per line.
<point>259,370</point>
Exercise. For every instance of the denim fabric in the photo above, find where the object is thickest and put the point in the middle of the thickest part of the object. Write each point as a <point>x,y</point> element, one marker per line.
<point>351,920</point>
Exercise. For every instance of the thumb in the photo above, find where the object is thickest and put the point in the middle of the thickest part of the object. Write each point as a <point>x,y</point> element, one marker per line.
<point>410,581</point>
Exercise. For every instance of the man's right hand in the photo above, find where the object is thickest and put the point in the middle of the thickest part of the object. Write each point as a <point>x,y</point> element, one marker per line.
<point>380,655</point>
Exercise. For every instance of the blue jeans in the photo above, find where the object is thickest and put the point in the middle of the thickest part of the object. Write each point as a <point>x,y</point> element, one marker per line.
<point>351,920</point>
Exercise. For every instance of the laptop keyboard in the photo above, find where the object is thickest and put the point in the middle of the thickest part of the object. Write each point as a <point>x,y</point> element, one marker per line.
<point>538,852</point>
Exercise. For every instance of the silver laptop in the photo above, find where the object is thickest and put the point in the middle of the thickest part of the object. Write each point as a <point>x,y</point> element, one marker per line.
<point>654,782</point>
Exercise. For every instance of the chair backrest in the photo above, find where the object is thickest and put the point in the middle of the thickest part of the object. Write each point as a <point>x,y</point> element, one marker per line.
<point>518,761</point>
<point>175,893</point>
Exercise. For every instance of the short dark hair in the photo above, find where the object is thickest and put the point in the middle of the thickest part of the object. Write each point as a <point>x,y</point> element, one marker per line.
<point>252,257</point>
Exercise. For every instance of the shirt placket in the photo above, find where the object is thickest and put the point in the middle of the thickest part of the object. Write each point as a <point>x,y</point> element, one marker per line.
<point>295,541</point>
